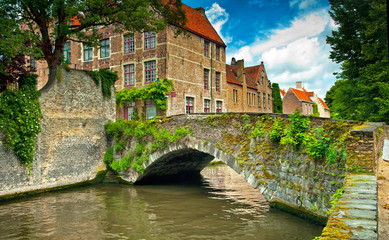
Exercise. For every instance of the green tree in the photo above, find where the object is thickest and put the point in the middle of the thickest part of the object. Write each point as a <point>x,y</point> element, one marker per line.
<point>360,46</point>
<point>277,100</point>
<point>53,22</point>
<point>315,110</point>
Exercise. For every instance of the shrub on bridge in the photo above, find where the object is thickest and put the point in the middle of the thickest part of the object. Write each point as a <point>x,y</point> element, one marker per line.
<point>147,131</point>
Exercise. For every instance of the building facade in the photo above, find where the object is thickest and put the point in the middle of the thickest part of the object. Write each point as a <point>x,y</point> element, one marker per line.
<point>248,89</point>
<point>301,99</point>
<point>195,64</point>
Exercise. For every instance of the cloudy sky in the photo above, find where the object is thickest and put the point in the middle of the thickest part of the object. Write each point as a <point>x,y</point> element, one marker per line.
<point>289,36</point>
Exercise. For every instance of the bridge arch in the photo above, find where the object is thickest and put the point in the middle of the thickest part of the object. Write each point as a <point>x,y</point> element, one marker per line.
<point>187,157</point>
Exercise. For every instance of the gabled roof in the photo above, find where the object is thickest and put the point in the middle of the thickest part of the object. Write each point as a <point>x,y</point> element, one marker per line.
<point>231,73</point>
<point>309,94</point>
<point>250,83</point>
<point>282,92</point>
<point>301,95</point>
<point>200,25</point>
<point>232,77</point>
<point>323,103</point>
<point>254,72</point>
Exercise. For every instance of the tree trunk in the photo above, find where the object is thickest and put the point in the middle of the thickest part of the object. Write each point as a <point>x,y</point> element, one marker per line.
<point>52,78</point>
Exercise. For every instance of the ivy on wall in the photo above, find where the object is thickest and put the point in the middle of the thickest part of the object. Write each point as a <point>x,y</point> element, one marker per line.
<point>155,91</point>
<point>20,115</point>
<point>143,132</point>
<point>106,78</point>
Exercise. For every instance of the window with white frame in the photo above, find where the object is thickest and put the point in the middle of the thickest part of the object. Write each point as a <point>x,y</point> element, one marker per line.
<point>149,40</point>
<point>129,75</point>
<point>248,98</point>
<point>151,110</point>
<point>207,104</point>
<point>150,71</point>
<point>253,99</point>
<point>259,99</point>
<point>129,111</point>
<point>129,44</point>
<point>104,48</point>
<point>88,53</point>
<point>219,105</point>
<point>189,105</point>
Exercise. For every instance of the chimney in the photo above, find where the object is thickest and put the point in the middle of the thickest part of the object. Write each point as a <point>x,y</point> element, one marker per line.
<point>233,62</point>
<point>201,10</point>
<point>240,70</point>
<point>299,85</point>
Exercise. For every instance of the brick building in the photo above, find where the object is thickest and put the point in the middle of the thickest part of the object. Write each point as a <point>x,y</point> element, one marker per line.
<point>299,98</point>
<point>195,64</point>
<point>248,89</point>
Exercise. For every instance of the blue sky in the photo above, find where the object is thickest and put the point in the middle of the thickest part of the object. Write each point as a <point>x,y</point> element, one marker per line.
<point>289,36</point>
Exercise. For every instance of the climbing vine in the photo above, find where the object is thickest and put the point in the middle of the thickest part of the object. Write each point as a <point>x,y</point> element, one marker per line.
<point>106,78</point>
<point>143,132</point>
<point>20,115</point>
<point>155,91</point>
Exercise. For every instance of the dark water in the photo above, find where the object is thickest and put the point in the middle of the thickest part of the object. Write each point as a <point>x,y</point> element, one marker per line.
<point>223,206</point>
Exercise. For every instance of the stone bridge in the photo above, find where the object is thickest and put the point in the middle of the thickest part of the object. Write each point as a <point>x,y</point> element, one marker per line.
<point>287,176</point>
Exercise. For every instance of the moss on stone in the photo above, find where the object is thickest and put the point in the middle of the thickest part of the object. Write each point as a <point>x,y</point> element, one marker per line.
<point>299,211</point>
<point>97,179</point>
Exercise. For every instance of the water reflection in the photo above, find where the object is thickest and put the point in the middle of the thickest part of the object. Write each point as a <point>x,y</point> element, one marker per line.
<point>222,207</point>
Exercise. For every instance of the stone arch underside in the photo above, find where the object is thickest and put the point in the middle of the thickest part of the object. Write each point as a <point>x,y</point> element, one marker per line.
<point>188,158</point>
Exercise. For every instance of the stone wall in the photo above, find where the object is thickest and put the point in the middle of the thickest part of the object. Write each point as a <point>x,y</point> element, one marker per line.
<point>72,143</point>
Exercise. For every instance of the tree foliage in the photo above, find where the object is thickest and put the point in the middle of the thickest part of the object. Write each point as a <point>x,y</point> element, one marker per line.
<point>14,44</point>
<point>51,23</point>
<point>360,46</point>
<point>277,101</point>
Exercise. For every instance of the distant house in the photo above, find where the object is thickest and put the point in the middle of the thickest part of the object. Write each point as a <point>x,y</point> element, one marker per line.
<point>301,99</point>
<point>282,91</point>
<point>248,89</point>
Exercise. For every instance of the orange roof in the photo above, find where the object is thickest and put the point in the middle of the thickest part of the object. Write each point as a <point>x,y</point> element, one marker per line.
<point>309,94</point>
<point>323,103</point>
<point>231,73</point>
<point>282,92</point>
<point>301,95</point>
<point>200,25</point>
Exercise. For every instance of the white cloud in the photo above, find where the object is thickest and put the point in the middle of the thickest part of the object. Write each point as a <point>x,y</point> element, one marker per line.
<point>218,16</point>
<point>295,53</point>
<point>303,4</point>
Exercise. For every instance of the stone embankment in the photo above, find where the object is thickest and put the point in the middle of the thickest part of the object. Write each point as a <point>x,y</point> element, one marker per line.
<point>355,215</point>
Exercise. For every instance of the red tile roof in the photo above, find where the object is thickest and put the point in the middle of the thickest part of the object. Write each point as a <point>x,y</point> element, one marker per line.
<point>250,83</point>
<point>253,72</point>
<point>309,94</point>
<point>324,104</point>
<point>231,73</point>
<point>282,92</point>
<point>200,25</point>
<point>301,95</point>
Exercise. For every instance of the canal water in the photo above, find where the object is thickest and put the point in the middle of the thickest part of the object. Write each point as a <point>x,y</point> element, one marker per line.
<point>220,206</point>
